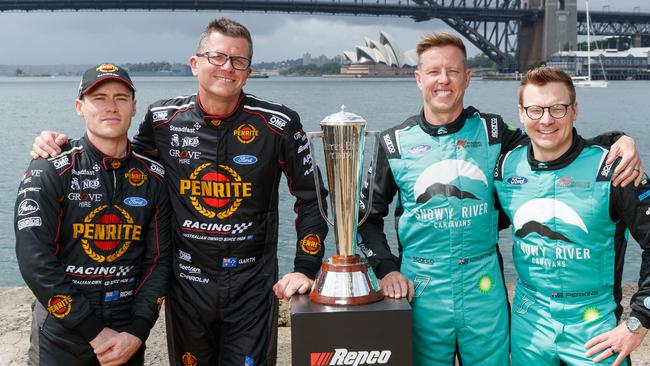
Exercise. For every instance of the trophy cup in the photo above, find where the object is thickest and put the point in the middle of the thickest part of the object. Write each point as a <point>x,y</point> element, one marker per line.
<point>343,279</point>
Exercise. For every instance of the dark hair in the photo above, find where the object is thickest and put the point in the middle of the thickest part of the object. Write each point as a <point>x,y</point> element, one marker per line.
<point>544,75</point>
<point>227,27</point>
<point>440,39</point>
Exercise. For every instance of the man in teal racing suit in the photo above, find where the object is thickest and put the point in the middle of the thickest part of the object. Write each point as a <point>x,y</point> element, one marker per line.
<point>569,226</point>
<point>441,164</point>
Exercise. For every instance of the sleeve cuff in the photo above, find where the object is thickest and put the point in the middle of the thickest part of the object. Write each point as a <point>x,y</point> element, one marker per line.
<point>140,328</point>
<point>384,268</point>
<point>308,269</point>
<point>90,327</point>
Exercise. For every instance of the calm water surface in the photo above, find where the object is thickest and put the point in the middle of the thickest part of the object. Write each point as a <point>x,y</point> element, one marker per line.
<point>29,105</point>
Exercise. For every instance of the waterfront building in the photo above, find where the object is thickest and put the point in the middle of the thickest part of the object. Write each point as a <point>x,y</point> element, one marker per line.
<point>633,63</point>
<point>382,58</point>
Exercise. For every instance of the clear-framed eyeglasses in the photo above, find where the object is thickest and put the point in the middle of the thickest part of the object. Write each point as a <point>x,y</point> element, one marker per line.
<point>536,112</point>
<point>220,59</point>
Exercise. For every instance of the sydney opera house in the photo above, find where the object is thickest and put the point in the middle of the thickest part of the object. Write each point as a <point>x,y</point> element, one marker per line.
<point>383,58</point>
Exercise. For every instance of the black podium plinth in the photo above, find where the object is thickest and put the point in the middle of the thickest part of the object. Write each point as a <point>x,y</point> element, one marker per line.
<point>373,334</point>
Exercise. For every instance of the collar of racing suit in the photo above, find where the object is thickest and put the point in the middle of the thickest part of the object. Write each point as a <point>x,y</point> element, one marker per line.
<point>454,126</point>
<point>214,120</point>
<point>108,162</point>
<point>567,158</point>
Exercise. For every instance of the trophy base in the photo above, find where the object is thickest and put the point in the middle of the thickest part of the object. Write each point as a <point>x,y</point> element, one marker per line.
<point>344,281</point>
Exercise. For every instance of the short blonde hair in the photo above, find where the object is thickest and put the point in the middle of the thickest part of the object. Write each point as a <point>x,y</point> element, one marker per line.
<point>440,39</point>
<point>544,75</point>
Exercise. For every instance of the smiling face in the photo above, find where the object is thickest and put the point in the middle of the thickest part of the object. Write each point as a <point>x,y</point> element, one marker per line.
<point>222,84</point>
<point>107,109</point>
<point>550,137</point>
<point>442,78</point>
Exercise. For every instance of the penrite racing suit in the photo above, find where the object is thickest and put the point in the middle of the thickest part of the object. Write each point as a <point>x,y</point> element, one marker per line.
<point>570,228</point>
<point>224,174</point>
<point>446,226</point>
<point>92,242</point>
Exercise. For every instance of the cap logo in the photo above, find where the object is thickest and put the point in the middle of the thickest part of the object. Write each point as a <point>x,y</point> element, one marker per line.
<point>106,68</point>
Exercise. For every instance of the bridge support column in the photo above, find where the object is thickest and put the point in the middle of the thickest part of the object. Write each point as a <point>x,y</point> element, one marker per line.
<point>557,31</point>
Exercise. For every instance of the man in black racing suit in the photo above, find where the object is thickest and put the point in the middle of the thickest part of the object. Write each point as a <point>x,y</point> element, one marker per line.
<point>92,235</point>
<point>224,152</point>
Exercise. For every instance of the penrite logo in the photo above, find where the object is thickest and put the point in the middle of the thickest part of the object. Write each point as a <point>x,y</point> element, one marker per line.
<point>215,193</point>
<point>342,356</point>
<point>59,305</point>
<point>104,235</point>
<point>246,133</point>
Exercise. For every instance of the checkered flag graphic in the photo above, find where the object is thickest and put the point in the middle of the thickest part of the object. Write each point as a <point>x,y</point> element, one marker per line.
<point>123,271</point>
<point>240,228</point>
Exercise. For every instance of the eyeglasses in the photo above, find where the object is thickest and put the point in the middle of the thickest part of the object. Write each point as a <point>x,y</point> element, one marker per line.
<point>536,112</point>
<point>220,59</point>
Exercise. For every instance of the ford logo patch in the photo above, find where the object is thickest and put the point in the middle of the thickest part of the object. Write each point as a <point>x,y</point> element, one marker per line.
<point>245,159</point>
<point>517,180</point>
<point>419,149</point>
<point>135,201</point>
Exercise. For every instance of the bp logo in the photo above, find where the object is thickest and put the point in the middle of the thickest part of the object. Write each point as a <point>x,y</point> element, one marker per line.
<point>189,359</point>
<point>106,234</point>
<point>217,192</point>
<point>135,177</point>
<point>310,244</point>
<point>59,305</point>
<point>485,284</point>
<point>591,314</point>
<point>246,133</point>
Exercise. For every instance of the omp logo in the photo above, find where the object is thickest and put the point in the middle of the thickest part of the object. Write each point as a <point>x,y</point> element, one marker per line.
<point>159,116</point>
<point>217,192</point>
<point>342,356</point>
<point>277,122</point>
<point>389,144</point>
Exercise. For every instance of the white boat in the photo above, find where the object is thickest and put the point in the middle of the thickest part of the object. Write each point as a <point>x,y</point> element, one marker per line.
<point>585,81</point>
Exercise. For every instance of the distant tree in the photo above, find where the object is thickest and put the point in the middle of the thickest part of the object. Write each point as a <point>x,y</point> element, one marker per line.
<point>480,60</point>
<point>19,72</point>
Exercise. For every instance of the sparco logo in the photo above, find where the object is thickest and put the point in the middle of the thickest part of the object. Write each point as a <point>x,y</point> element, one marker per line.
<point>494,128</point>
<point>606,169</point>
<point>389,144</point>
<point>342,356</point>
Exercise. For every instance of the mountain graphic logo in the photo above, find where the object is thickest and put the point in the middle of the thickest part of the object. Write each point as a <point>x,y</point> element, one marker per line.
<point>437,180</point>
<point>533,215</point>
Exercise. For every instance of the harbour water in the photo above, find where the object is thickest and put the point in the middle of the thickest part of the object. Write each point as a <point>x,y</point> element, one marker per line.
<point>30,105</point>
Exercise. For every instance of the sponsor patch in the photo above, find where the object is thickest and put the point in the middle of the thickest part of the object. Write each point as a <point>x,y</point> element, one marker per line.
<point>29,174</point>
<point>591,314</point>
<point>419,149</point>
<point>116,164</point>
<point>59,305</point>
<point>310,244</point>
<point>104,235</point>
<point>189,359</point>
<point>135,177</point>
<point>215,122</point>
<point>248,361</point>
<point>159,116</point>
<point>569,182</point>
<point>29,222</point>
<point>27,207</point>
<point>516,180</point>
<point>389,144</point>
<point>184,256</point>
<point>466,144</point>
<point>485,284</point>
<point>175,142</point>
<point>277,122</point>
<point>342,356</point>
<point>191,141</point>
<point>107,68</point>
<point>61,162</point>
<point>135,201</point>
<point>494,128</point>
<point>157,169</point>
<point>246,133</point>
<point>442,130</point>
<point>215,193</point>
<point>644,195</point>
<point>28,189</point>
<point>245,159</point>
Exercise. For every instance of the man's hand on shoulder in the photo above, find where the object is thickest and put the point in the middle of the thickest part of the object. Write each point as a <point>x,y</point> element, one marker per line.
<point>47,144</point>
<point>630,169</point>
<point>291,284</point>
<point>395,285</point>
<point>118,349</point>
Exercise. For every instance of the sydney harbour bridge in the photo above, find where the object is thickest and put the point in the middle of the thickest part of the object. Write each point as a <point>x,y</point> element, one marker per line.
<point>513,33</point>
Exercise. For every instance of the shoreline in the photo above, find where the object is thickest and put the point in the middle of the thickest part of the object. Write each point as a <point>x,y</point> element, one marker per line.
<point>16,311</point>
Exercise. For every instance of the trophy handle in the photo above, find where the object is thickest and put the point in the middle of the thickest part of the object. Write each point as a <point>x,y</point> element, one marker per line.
<point>373,172</point>
<point>311,136</point>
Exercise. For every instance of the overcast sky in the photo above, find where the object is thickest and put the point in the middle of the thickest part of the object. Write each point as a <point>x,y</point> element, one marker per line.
<point>90,37</point>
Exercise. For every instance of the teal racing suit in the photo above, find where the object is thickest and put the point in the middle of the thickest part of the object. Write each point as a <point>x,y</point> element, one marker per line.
<point>569,228</point>
<point>446,225</point>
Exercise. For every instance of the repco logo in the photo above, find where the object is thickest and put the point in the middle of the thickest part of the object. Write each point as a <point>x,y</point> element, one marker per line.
<point>342,356</point>
<point>104,235</point>
<point>215,193</point>
<point>246,133</point>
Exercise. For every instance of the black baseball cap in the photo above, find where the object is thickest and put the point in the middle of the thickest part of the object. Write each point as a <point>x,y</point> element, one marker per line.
<point>95,75</point>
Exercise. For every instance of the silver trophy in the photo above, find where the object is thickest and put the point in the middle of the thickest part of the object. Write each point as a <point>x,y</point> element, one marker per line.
<point>343,279</point>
